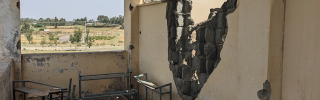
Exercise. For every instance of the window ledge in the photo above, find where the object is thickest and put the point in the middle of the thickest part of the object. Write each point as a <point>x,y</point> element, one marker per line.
<point>113,51</point>
<point>152,3</point>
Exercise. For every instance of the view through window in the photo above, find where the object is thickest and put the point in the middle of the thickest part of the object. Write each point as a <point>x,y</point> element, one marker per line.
<point>57,26</point>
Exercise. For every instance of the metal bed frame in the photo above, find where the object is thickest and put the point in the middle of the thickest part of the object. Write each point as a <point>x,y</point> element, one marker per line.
<point>24,85</point>
<point>107,76</point>
<point>160,92</point>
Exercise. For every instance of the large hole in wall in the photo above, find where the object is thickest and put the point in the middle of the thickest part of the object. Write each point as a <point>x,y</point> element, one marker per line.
<point>193,60</point>
<point>60,26</point>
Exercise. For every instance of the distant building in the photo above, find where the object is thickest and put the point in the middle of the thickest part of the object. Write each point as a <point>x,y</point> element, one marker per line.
<point>64,39</point>
<point>46,30</point>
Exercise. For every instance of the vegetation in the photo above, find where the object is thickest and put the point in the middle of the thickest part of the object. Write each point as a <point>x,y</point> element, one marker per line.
<point>76,38</point>
<point>25,27</point>
<point>29,36</point>
<point>43,42</point>
<point>103,37</point>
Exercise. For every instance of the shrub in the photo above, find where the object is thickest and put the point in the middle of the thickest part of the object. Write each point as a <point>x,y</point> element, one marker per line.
<point>41,29</point>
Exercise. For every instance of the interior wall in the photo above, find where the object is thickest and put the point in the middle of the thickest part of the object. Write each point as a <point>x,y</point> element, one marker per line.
<point>10,45</point>
<point>6,78</point>
<point>275,63</point>
<point>153,42</point>
<point>57,69</point>
<point>223,82</point>
<point>301,50</point>
<point>154,51</point>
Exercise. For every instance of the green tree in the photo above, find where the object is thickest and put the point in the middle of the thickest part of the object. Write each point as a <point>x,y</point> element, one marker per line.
<point>43,42</point>
<point>51,36</point>
<point>29,36</point>
<point>56,22</point>
<point>76,38</point>
<point>25,27</point>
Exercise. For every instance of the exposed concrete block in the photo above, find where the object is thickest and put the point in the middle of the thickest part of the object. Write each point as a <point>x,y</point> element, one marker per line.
<point>174,57</point>
<point>209,48</point>
<point>220,36</point>
<point>187,6</point>
<point>221,20</point>
<point>201,55</point>
<point>173,33</point>
<point>200,49</point>
<point>200,65</point>
<point>188,20</point>
<point>186,73</point>
<point>200,36</point>
<point>210,66</point>
<point>203,77</point>
<point>177,72</point>
<point>212,23</point>
<point>210,35</point>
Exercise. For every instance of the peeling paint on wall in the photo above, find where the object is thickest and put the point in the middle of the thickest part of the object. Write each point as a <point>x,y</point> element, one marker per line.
<point>57,69</point>
<point>192,62</point>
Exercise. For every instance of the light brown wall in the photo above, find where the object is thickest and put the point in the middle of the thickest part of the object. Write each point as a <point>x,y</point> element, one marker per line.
<point>301,50</point>
<point>10,34</point>
<point>153,50</point>
<point>223,82</point>
<point>275,48</point>
<point>6,78</point>
<point>57,69</point>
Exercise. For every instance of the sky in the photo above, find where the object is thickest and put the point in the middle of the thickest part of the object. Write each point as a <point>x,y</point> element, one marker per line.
<point>70,9</point>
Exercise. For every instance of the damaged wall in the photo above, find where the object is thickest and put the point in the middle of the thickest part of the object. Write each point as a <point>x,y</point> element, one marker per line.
<point>10,34</point>
<point>153,58</point>
<point>193,61</point>
<point>57,69</point>
<point>301,50</point>
<point>6,78</point>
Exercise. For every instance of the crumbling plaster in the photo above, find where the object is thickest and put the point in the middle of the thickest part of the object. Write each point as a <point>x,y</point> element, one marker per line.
<point>57,69</point>
<point>192,62</point>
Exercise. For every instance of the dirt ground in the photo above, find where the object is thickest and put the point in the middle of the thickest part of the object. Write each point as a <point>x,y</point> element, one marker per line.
<point>38,36</point>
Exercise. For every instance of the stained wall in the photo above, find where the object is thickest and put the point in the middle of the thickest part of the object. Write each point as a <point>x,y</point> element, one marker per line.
<point>6,78</point>
<point>301,50</point>
<point>57,69</point>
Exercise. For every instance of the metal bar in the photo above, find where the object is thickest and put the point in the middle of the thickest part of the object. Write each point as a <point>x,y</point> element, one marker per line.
<point>146,87</point>
<point>117,92</point>
<point>105,74</point>
<point>104,77</point>
<point>69,89</point>
<point>24,96</point>
<point>47,85</point>
<point>127,83</point>
<point>170,91</point>
<point>61,96</point>
<point>137,90</point>
<point>160,93</point>
<point>130,81</point>
<point>80,85</point>
<point>13,90</point>
<point>73,90</point>
<point>108,96</point>
<point>163,85</point>
<point>51,97</point>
